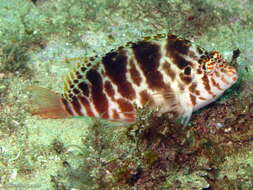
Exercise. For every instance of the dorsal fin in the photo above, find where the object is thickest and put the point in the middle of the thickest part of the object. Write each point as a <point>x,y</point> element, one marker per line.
<point>76,75</point>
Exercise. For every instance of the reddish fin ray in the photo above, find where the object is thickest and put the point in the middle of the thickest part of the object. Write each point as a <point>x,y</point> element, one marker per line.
<point>46,103</point>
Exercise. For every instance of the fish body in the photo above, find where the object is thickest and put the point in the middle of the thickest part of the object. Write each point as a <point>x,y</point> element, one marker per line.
<point>163,71</point>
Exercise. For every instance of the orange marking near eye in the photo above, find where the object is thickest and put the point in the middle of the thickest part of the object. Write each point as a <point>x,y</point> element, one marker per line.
<point>234,78</point>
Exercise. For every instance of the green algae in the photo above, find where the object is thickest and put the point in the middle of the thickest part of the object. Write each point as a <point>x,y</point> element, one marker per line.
<point>73,153</point>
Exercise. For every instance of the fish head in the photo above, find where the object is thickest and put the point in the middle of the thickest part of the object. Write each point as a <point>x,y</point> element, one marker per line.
<point>214,76</point>
<point>216,67</point>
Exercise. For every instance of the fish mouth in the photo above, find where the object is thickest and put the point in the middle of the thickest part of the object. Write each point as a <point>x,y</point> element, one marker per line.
<point>232,73</point>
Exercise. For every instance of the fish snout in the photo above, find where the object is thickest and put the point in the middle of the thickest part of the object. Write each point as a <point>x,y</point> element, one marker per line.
<point>232,73</point>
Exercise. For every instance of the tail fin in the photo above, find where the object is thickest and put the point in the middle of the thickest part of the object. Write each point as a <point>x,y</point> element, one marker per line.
<point>46,103</point>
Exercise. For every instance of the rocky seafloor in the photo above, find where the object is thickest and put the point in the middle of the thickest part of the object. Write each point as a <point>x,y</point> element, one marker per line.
<point>40,41</point>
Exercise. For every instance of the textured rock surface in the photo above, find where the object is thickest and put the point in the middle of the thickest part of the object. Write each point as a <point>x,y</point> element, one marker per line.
<point>39,44</point>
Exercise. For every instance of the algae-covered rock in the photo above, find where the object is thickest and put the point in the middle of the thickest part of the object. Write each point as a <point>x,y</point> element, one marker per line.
<point>42,40</point>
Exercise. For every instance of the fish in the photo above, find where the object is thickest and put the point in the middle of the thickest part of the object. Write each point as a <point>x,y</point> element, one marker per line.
<point>162,71</point>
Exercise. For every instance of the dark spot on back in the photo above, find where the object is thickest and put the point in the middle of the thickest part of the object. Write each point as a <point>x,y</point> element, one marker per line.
<point>148,57</point>
<point>99,99</point>
<point>115,67</point>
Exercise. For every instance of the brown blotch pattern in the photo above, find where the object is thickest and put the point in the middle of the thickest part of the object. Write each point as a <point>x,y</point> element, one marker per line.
<point>193,99</point>
<point>169,71</point>
<point>186,79</point>
<point>125,106</point>
<point>99,99</point>
<point>109,89</point>
<point>76,105</point>
<point>85,102</point>
<point>115,114</point>
<point>193,89</point>
<point>199,71</point>
<point>176,46</point>
<point>215,84</point>
<point>207,85</point>
<point>202,98</point>
<point>115,68</point>
<point>180,61</point>
<point>134,73</point>
<point>67,106</point>
<point>83,86</point>
<point>146,98</point>
<point>148,57</point>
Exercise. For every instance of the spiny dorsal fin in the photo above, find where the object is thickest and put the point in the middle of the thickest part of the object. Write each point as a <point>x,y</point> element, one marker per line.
<point>82,65</point>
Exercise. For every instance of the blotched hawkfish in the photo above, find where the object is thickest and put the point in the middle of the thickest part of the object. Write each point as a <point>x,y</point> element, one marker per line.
<point>162,71</point>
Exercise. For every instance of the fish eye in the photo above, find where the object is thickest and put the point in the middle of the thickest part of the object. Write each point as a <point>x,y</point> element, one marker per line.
<point>208,66</point>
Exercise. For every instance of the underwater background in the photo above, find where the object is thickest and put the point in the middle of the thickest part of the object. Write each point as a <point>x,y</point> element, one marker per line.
<point>40,42</point>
